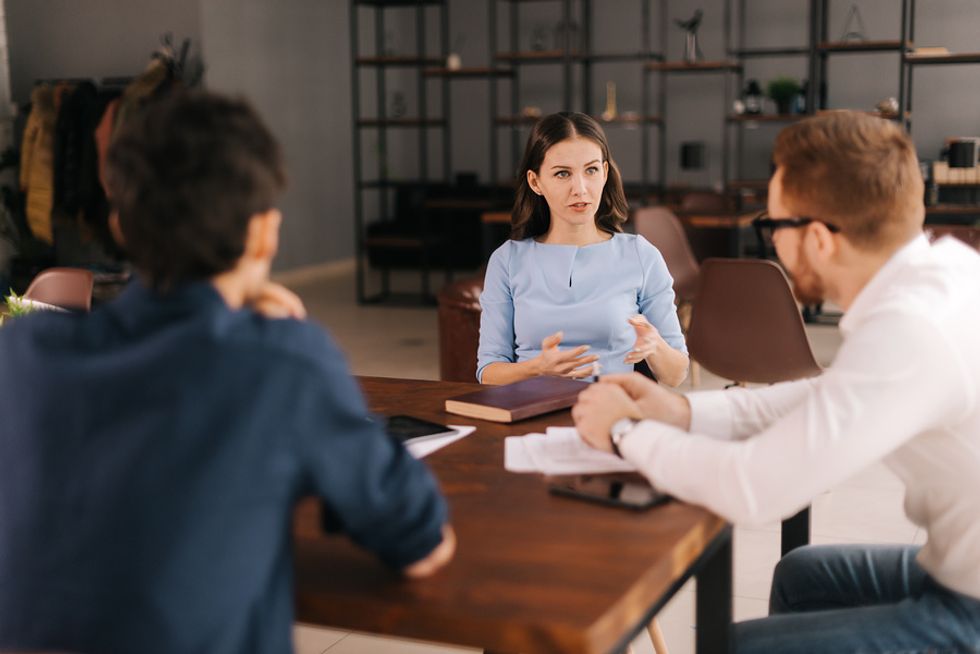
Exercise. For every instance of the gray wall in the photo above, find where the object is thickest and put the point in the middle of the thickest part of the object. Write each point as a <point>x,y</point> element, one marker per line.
<point>90,38</point>
<point>292,59</point>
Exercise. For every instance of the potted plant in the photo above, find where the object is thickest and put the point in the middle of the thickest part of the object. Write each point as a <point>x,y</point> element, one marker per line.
<point>783,91</point>
<point>16,306</point>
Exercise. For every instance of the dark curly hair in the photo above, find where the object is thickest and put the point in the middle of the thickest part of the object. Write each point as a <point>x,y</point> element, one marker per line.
<point>186,175</point>
<point>531,217</point>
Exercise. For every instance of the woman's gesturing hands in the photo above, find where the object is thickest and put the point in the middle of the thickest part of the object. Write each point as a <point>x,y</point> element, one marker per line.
<point>573,363</point>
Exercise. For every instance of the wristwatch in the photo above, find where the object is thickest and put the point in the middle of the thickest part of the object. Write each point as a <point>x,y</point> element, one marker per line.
<point>618,432</point>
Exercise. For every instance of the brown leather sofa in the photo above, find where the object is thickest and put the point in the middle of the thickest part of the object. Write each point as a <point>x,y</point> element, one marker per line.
<point>459,329</point>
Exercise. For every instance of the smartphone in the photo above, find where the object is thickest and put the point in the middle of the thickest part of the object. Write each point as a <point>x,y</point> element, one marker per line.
<point>630,490</point>
<point>406,429</point>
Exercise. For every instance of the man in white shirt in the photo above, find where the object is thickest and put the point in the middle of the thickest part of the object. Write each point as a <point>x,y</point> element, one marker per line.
<point>846,217</point>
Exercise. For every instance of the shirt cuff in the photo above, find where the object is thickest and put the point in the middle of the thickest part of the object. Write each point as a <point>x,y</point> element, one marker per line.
<point>711,414</point>
<point>638,445</point>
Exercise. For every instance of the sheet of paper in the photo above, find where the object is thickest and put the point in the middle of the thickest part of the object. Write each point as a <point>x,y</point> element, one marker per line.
<point>559,451</point>
<point>516,457</point>
<point>428,446</point>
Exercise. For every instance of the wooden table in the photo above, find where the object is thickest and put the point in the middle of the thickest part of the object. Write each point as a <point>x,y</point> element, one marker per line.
<point>734,224</point>
<point>533,572</point>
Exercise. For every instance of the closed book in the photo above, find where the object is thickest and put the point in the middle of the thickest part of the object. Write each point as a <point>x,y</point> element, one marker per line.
<point>523,399</point>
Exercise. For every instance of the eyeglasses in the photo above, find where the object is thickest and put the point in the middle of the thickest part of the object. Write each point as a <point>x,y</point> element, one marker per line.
<point>764,222</point>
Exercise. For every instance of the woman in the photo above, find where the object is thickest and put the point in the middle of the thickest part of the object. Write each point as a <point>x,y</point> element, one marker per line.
<point>569,276</point>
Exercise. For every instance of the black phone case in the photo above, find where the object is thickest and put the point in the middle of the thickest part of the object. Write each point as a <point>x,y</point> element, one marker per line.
<point>565,491</point>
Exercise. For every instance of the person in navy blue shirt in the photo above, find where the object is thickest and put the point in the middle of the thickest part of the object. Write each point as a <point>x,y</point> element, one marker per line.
<point>151,452</point>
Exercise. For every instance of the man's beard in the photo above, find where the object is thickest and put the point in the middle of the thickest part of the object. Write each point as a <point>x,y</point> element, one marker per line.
<point>807,286</point>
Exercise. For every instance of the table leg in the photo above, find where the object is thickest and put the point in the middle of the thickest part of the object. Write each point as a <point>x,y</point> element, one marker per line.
<point>735,242</point>
<point>795,531</point>
<point>714,600</point>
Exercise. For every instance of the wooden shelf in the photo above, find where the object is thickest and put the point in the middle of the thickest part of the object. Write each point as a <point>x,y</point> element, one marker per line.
<point>954,209</point>
<point>536,56</point>
<point>943,59</point>
<point>864,46</point>
<point>618,121</point>
<point>511,121</point>
<point>628,121</point>
<point>766,118</point>
<point>720,221</point>
<point>877,114</point>
<point>402,122</point>
<point>391,183</point>
<point>699,67</point>
<point>751,184</point>
<point>468,72</point>
<point>601,57</point>
<point>558,56</point>
<point>770,52</point>
<point>398,61</point>
<point>399,3</point>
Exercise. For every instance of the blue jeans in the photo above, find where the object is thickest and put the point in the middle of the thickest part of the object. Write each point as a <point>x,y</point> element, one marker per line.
<point>860,599</point>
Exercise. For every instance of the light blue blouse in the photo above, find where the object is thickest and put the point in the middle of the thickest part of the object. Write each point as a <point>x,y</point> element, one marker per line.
<point>533,290</point>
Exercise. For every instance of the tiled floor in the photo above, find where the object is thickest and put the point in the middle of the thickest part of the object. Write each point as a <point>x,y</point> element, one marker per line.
<point>403,342</point>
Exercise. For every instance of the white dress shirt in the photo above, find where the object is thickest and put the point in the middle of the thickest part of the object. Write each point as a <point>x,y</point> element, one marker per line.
<point>903,388</point>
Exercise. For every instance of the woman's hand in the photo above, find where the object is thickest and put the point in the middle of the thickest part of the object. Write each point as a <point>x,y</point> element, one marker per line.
<point>648,343</point>
<point>668,365</point>
<point>564,363</point>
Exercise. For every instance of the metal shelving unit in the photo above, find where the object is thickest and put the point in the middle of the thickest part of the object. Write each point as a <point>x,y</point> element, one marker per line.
<point>825,47</point>
<point>381,185</point>
<point>507,60</point>
<point>818,51</point>
<point>584,56</point>
<point>958,213</point>
<point>739,122</point>
<point>725,67</point>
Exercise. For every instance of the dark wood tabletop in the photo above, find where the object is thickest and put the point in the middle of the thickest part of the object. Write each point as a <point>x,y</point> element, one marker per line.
<point>533,572</point>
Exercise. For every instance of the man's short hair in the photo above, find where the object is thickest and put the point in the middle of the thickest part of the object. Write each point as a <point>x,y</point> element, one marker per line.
<point>186,175</point>
<point>856,171</point>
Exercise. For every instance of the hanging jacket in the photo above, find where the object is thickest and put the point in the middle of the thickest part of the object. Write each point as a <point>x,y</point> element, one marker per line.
<point>76,185</point>
<point>81,211</point>
<point>37,162</point>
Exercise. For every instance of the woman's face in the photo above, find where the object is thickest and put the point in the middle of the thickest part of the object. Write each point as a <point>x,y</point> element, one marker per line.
<point>571,179</point>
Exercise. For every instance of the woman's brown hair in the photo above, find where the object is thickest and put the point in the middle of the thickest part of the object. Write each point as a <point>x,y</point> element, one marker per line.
<point>530,217</point>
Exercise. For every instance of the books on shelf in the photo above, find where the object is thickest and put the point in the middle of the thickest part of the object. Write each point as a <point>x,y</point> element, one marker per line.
<point>930,51</point>
<point>523,399</point>
<point>945,175</point>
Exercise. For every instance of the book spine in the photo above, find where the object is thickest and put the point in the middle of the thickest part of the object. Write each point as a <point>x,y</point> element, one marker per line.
<point>543,407</point>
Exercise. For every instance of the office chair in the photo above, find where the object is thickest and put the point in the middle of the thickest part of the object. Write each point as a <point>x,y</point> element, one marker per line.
<point>746,327</point>
<point>664,230</point>
<point>68,288</point>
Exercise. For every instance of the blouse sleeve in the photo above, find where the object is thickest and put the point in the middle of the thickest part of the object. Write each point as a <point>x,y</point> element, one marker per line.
<point>497,318</point>
<point>656,298</point>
